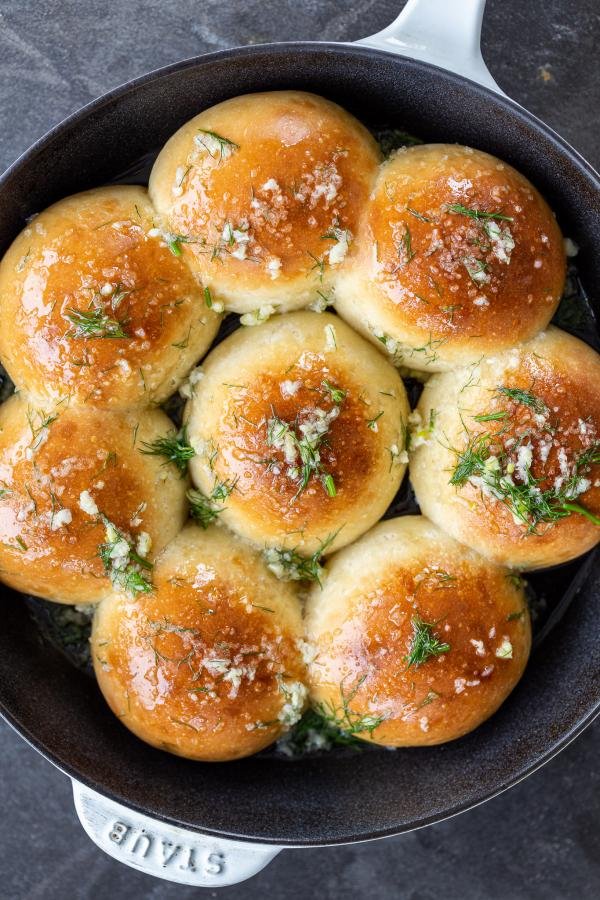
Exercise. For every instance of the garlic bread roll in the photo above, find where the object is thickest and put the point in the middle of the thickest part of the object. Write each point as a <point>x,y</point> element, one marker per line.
<point>264,192</point>
<point>80,505</point>
<point>508,461</point>
<point>299,427</point>
<point>208,666</point>
<point>457,255</point>
<point>415,640</point>
<point>94,306</point>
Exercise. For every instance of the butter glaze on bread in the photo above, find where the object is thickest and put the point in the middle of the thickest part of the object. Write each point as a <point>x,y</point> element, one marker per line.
<point>404,573</point>
<point>553,431</point>
<point>435,285</point>
<point>208,666</point>
<point>82,271</point>
<point>264,390</point>
<point>266,190</point>
<point>49,533</point>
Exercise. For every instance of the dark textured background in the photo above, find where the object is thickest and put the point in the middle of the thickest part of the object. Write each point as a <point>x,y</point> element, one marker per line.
<point>540,840</point>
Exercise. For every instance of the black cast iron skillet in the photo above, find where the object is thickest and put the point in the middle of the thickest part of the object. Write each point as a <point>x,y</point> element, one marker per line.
<point>341,796</point>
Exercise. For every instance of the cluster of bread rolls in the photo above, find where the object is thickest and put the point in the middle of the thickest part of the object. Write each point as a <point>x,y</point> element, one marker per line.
<point>212,636</point>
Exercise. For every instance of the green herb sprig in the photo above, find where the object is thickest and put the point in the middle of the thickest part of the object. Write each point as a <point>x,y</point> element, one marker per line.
<point>477,213</point>
<point>175,447</point>
<point>289,565</point>
<point>94,322</point>
<point>125,568</point>
<point>425,643</point>
<point>485,457</point>
<point>205,509</point>
<point>342,716</point>
<point>224,148</point>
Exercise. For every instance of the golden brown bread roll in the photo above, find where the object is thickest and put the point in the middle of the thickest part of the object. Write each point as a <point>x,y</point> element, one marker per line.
<point>415,639</point>
<point>79,503</point>
<point>265,191</point>
<point>457,255</point>
<point>511,464</point>
<point>93,307</point>
<point>299,429</point>
<point>209,666</point>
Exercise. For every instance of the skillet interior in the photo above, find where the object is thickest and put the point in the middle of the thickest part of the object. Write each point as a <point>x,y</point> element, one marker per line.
<point>334,797</point>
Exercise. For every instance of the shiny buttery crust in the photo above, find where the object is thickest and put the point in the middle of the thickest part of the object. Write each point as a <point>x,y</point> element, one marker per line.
<point>66,261</point>
<point>429,284</point>
<point>43,471</point>
<point>563,373</point>
<point>294,168</point>
<point>361,630</point>
<point>278,371</point>
<point>214,600</point>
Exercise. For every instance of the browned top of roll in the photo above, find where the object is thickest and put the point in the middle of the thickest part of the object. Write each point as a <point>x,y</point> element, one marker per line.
<point>284,168</point>
<point>350,452</point>
<point>466,247</point>
<point>407,578</point>
<point>203,666</point>
<point>62,473</point>
<point>531,417</point>
<point>96,308</point>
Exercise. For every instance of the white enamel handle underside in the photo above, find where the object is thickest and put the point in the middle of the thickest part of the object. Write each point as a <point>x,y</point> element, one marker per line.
<point>166,851</point>
<point>443,32</point>
<point>446,33</point>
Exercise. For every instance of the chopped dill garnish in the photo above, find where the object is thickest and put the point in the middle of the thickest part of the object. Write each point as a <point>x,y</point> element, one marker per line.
<point>208,297</point>
<point>319,265</point>
<point>429,698</point>
<point>450,310</point>
<point>183,344</point>
<point>94,322</point>
<point>424,643</point>
<point>372,423</point>
<point>576,508</point>
<point>472,459</point>
<point>302,453</point>
<point>417,215</point>
<point>216,144</point>
<point>527,501</point>
<point>338,395</point>
<point>289,565</point>
<point>439,577</point>
<point>476,213</point>
<point>525,398</point>
<point>329,485</point>
<point>515,615</point>
<point>205,510</point>
<point>476,269</point>
<point>409,253</point>
<point>124,566</point>
<point>314,733</point>
<point>174,242</point>
<point>346,719</point>
<point>516,580</point>
<point>39,421</point>
<point>174,447</point>
<point>491,417</point>
<point>429,350</point>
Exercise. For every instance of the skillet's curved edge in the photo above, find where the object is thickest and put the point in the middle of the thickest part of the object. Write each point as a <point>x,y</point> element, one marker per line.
<point>75,119</point>
<point>275,825</point>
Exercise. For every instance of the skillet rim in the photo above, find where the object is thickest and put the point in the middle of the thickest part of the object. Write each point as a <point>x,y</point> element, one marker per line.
<point>77,120</point>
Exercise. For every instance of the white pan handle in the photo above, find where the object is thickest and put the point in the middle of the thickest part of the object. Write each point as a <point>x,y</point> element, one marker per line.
<point>167,851</point>
<point>446,33</point>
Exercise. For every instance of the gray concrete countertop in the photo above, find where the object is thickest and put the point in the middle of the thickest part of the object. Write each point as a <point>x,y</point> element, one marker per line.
<point>539,840</point>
